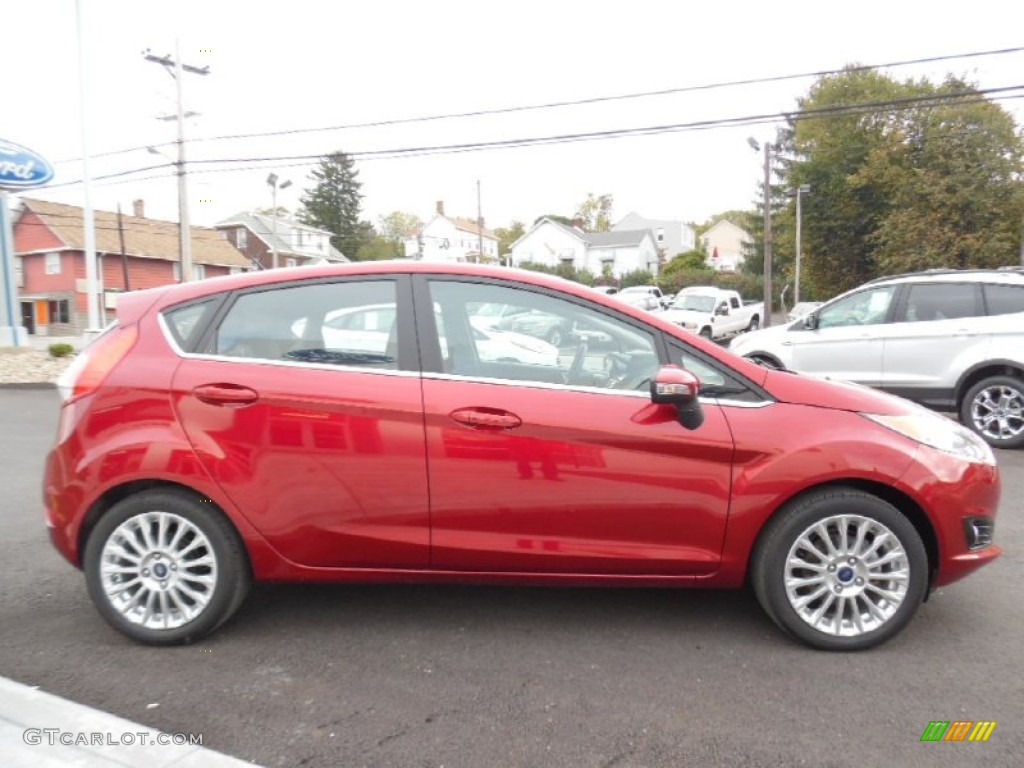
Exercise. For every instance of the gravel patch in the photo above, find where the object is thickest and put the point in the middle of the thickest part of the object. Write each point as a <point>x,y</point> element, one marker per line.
<point>23,366</point>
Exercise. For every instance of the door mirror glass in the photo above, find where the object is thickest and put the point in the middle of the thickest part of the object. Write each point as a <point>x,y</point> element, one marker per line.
<point>677,386</point>
<point>810,322</point>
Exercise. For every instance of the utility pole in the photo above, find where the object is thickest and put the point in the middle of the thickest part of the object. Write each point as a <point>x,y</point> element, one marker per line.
<point>801,190</point>
<point>767,235</point>
<point>124,254</point>
<point>479,223</point>
<point>184,228</point>
<point>91,284</point>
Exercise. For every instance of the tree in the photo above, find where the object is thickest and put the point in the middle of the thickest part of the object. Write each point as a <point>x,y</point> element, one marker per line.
<point>334,203</point>
<point>926,176</point>
<point>508,235</point>
<point>398,225</point>
<point>596,213</point>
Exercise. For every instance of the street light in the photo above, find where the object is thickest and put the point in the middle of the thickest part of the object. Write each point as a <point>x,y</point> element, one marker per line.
<point>274,186</point>
<point>802,190</point>
<point>768,148</point>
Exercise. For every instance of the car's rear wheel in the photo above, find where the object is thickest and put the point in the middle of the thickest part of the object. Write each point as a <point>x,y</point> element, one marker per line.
<point>994,408</point>
<point>165,568</point>
<point>705,332</point>
<point>840,569</point>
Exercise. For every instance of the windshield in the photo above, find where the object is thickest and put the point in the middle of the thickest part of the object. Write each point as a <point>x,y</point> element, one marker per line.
<point>695,302</point>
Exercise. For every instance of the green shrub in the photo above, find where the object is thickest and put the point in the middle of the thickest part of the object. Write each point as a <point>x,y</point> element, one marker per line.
<point>61,350</point>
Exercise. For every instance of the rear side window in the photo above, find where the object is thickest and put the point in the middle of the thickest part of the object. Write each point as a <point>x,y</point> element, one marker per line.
<point>941,301</point>
<point>1004,299</point>
<point>347,324</point>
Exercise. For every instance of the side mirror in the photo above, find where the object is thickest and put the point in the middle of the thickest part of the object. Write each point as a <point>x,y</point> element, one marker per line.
<point>676,386</point>
<point>723,309</point>
<point>811,322</point>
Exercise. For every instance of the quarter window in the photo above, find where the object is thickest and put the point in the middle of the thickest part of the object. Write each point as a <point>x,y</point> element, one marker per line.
<point>345,324</point>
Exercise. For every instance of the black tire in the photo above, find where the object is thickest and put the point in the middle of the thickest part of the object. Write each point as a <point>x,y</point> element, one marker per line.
<point>201,527</point>
<point>754,324</point>
<point>706,333</point>
<point>778,540</point>
<point>984,400</point>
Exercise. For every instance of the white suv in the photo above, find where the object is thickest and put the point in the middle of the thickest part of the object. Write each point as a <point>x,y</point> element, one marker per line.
<point>949,339</point>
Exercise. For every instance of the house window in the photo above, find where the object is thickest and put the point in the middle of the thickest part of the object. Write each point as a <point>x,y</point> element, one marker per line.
<point>661,235</point>
<point>235,271</point>
<point>290,263</point>
<point>60,311</point>
<point>242,238</point>
<point>298,238</point>
<point>53,263</point>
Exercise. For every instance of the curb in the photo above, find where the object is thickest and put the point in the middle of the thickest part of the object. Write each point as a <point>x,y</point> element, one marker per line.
<point>29,385</point>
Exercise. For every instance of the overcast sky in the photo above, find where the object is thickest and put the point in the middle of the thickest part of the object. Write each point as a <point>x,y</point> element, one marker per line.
<point>302,64</point>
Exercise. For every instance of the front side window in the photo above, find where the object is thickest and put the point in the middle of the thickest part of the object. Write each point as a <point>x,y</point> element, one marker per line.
<point>539,338</point>
<point>346,324</point>
<point>929,302</point>
<point>867,307</point>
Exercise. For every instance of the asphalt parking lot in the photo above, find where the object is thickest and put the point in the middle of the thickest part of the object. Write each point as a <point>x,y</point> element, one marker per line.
<point>487,676</point>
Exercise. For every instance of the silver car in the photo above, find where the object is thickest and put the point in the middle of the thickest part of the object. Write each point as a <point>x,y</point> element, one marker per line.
<point>949,339</point>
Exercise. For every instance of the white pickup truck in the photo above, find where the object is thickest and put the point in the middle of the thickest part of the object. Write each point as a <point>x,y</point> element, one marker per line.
<point>715,313</point>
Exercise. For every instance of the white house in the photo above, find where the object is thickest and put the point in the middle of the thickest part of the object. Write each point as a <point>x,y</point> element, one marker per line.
<point>551,243</point>
<point>724,244</point>
<point>451,239</point>
<point>671,237</point>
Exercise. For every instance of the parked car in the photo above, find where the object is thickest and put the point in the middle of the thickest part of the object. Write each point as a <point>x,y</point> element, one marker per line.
<point>224,431</point>
<point>367,329</point>
<point>949,339</point>
<point>632,296</point>
<point>714,313</point>
<point>555,330</point>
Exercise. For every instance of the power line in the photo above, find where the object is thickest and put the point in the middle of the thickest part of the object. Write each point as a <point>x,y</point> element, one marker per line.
<point>582,102</point>
<point>912,102</point>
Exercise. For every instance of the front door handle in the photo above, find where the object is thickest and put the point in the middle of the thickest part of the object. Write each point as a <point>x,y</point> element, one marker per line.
<point>233,395</point>
<point>486,419</point>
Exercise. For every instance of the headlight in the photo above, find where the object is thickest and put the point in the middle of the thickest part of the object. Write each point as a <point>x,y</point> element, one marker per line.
<point>939,433</point>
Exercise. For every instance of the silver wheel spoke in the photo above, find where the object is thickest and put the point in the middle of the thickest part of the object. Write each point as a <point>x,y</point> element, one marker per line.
<point>846,575</point>
<point>147,575</point>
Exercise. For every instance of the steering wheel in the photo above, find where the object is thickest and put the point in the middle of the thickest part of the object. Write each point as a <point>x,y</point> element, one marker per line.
<point>577,363</point>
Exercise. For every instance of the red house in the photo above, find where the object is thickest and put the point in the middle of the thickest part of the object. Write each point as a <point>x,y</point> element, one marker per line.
<point>49,249</point>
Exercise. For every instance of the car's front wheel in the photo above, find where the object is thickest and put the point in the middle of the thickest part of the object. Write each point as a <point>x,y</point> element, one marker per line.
<point>165,568</point>
<point>840,569</point>
<point>994,408</point>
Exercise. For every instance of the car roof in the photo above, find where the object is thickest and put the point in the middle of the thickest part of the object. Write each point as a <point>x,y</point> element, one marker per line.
<point>1005,275</point>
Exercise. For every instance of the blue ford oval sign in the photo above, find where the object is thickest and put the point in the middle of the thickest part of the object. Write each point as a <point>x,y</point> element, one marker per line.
<point>21,168</point>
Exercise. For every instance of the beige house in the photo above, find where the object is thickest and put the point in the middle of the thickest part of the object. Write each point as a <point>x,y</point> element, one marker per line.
<point>724,245</point>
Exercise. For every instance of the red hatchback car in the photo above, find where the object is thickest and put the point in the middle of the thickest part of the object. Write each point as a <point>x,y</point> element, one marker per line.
<point>363,423</point>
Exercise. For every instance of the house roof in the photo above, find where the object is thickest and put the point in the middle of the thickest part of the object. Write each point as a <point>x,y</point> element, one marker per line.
<point>143,238</point>
<point>577,233</point>
<point>614,239</point>
<point>263,227</point>
<point>468,225</point>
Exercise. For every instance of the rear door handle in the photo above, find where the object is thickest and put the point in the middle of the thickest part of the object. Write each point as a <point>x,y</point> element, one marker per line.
<point>486,419</point>
<point>233,395</point>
